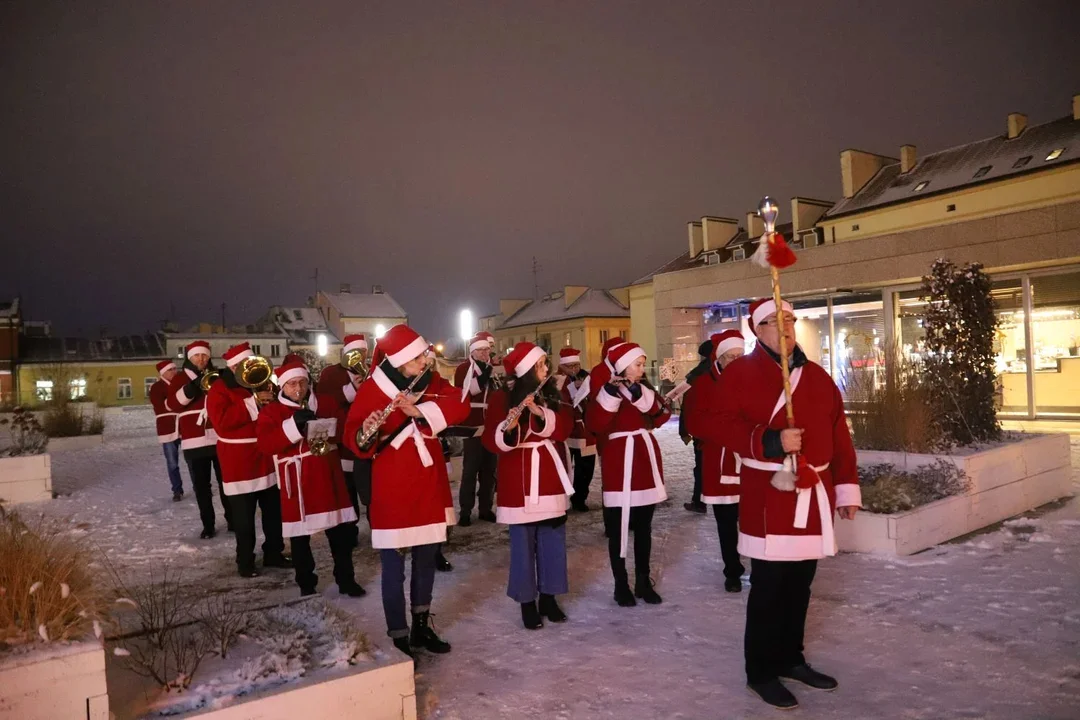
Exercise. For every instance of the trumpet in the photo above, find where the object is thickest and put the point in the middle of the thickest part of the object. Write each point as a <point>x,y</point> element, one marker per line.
<point>355,362</point>
<point>363,439</point>
<point>254,373</point>
<point>515,412</point>
<point>319,447</point>
<point>208,378</point>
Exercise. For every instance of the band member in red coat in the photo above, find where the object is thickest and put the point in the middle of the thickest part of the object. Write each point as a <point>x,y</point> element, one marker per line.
<point>523,426</point>
<point>340,382</point>
<point>311,483</point>
<point>719,466</point>
<point>477,462</point>
<point>165,422</point>
<point>248,475</point>
<point>411,503</point>
<point>582,442</point>
<point>198,440</point>
<point>623,414</point>
<point>784,528</point>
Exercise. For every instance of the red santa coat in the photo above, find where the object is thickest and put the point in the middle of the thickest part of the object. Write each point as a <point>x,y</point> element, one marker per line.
<point>477,397</point>
<point>314,496</point>
<point>234,413</point>
<point>631,467</point>
<point>775,524</point>
<point>533,483</point>
<point>164,419</point>
<point>411,503</point>
<point>335,382</point>
<point>195,430</point>
<point>581,439</point>
<point>719,466</point>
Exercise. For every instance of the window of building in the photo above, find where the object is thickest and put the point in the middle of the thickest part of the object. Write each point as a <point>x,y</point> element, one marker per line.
<point>566,339</point>
<point>180,351</point>
<point>622,335</point>
<point>298,315</point>
<point>603,336</point>
<point>275,350</point>
<point>855,227</point>
<point>43,390</point>
<point>1055,338</point>
<point>1055,154</point>
<point>1021,162</point>
<point>738,254</point>
<point>950,208</point>
<point>257,349</point>
<point>77,388</point>
<point>921,186</point>
<point>982,171</point>
<point>123,388</point>
<point>147,384</point>
<point>544,341</point>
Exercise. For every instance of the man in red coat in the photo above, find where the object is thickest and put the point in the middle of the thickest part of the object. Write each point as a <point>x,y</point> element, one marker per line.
<point>248,475</point>
<point>582,442</point>
<point>478,463</point>
<point>165,422</point>
<point>785,530</point>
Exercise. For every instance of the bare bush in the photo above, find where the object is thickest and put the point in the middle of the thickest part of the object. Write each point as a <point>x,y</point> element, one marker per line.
<point>894,410</point>
<point>887,489</point>
<point>27,436</point>
<point>223,621</point>
<point>67,419</point>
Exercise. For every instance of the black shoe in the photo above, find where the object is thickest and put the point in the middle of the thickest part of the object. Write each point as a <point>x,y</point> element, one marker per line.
<point>579,507</point>
<point>277,561</point>
<point>208,534</point>
<point>424,635</point>
<point>442,564</point>
<point>305,592</point>
<point>809,676</point>
<point>465,520</point>
<point>733,585</point>
<point>249,573</point>
<point>402,644</point>
<point>698,507</point>
<point>643,589</point>
<point>352,589</point>
<point>774,693</point>
<point>550,609</point>
<point>530,616</point>
<point>623,596</point>
<point>177,496</point>
<point>487,516</point>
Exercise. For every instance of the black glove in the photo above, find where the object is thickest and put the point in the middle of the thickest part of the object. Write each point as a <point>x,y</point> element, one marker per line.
<point>485,375</point>
<point>770,441</point>
<point>302,417</point>
<point>635,392</point>
<point>193,390</point>
<point>611,389</point>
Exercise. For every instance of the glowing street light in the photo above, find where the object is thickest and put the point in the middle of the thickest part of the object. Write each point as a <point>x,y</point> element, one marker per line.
<point>321,345</point>
<point>465,325</point>
<point>380,330</point>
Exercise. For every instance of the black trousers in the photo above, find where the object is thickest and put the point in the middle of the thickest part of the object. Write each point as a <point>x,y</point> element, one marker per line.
<point>727,527</point>
<point>340,539</point>
<point>696,497</point>
<point>358,485</point>
<point>584,465</point>
<point>776,616</point>
<point>243,515</point>
<point>199,462</point>
<point>641,526</point>
<point>477,465</point>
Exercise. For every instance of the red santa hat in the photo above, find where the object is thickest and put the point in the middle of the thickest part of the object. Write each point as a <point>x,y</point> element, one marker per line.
<point>164,366</point>
<point>609,345</point>
<point>237,353</point>
<point>354,342</point>
<point>622,355</point>
<point>198,347</point>
<point>289,370</point>
<point>726,341</point>
<point>761,309</point>
<point>481,340</point>
<point>399,345</point>
<point>569,356</point>
<point>523,358</point>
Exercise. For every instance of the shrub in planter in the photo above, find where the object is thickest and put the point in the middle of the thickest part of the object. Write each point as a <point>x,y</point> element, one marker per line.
<point>895,412</point>
<point>27,436</point>
<point>67,419</point>
<point>886,489</point>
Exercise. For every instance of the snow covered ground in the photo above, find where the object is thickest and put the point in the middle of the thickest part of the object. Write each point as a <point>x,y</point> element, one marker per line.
<point>984,628</point>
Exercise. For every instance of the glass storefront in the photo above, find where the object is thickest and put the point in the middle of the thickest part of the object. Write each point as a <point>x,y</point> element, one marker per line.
<point>1055,337</point>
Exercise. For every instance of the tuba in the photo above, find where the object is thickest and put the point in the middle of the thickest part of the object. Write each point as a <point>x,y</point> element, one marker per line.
<point>254,373</point>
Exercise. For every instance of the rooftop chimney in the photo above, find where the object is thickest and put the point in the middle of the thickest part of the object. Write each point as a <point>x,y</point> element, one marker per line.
<point>1076,107</point>
<point>346,288</point>
<point>697,238</point>
<point>755,226</point>
<point>1016,123</point>
<point>805,212</point>
<point>907,158</point>
<point>856,169</point>
<point>376,289</point>
<point>717,232</point>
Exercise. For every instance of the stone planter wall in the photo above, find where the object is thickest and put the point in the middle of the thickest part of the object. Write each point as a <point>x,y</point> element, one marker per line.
<point>1005,481</point>
<point>26,478</point>
<point>75,442</point>
<point>57,682</point>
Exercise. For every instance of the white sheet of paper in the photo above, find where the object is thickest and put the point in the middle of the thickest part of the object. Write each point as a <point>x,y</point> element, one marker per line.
<point>321,428</point>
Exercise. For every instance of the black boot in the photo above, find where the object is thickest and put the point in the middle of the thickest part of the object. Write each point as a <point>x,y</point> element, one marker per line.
<point>442,564</point>
<point>623,596</point>
<point>774,693</point>
<point>402,644</point>
<point>530,616</point>
<point>464,520</point>
<point>277,561</point>
<point>809,676</point>
<point>733,585</point>
<point>643,588</point>
<point>550,609</point>
<point>487,516</point>
<point>424,635</point>
<point>352,589</point>
<point>207,533</point>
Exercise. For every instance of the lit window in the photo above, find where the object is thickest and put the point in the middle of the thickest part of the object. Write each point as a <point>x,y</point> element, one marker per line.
<point>566,340</point>
<point>43,390</point>
<point>980,172</point>
<point>1055,154</point>
<point>147,384</point>
<point>320,344</point>
<point>380,330</point>
<point>123,388</point>
<point>921,186</point>
<point>1021,162</point>
<point>78,388</point>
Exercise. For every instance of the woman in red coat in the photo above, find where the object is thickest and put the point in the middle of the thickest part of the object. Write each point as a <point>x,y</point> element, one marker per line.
<point>533,485</point>
<point>623,414</point>
<point>312,487</point>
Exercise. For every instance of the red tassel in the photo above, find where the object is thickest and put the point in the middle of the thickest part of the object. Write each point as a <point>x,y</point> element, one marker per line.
<point>780,255</point>
<point>806,475</point>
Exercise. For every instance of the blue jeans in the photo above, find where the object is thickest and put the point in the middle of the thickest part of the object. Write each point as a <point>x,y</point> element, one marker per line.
<point>172,462</point>
<point>537,559</point>
<point>393,585</point>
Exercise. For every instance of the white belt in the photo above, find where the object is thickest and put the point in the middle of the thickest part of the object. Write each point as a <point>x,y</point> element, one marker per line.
<point>282,467</point>
<point>418,437</point>
<point>201,412</point>
<point>802,504</point>
<point>628,472</point>
<point>534,469</point>
<point>478,405</point>
<point>237,441</point>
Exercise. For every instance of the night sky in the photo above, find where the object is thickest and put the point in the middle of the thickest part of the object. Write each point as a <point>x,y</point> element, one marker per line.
<point>185,154</point>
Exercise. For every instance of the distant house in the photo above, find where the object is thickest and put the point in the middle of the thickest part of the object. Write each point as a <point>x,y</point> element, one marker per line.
<point>347,312</point>
<point>266,339</point>
<point>305,328</point>
<point>10,327</point>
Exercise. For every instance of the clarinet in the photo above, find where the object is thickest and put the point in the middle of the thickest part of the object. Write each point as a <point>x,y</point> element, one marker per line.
<point>515,412</point>
<point>363,439</point>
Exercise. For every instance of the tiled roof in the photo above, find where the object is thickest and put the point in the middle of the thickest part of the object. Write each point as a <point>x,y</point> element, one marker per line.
<point>66,349</point>
<point>592,303</point>
<point>975,163</point>
<point>302,325</point>
<point>9,308</point>
<point>359,305</point>
<point>685,262</point>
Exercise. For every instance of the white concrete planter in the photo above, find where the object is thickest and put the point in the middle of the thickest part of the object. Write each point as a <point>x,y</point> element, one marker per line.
<point>1005,481</point>
<point>26,478</point>
<point>61,681</point>
<point>381,690</point>
<point>75,442</point>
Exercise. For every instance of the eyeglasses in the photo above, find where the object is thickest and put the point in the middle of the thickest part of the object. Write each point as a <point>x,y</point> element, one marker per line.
<point>789,320</point>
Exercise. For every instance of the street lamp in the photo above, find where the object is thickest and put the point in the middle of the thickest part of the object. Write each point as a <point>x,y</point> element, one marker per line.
<point>465,325</point>
<point>380,330</point>
<point>321,344</point>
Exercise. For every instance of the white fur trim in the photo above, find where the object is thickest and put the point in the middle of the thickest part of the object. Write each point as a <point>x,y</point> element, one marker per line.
<point>782,547</point>
<point>549,424</point>
<point>434,416</point>
<point>349,392</point>
<point>500,441</point>
<point>312,524</point>
<point>208,438</point>
<point>385,384</point>
<point>292,433</point>
<point>235,360</point>
<point>360,344</point>
<point>652,496</point>
<point>480,344</point>
<point>530,360</point>
<point>729,344</point>
<point>346,465</point>
<point>609,403</point>
<point>171,437</point>
<point>167,368</point>
<point>182,398</point>
<point>249,486</point>
<point>252,406</point>
<point>569,359</point>
<point>848,495</point>
<point>549,506</point>
<point>645,402</point>
<point>290,374</point>
<point>451,514</point>
<point>200,350</point>
<point>413,350</point>
<point>409,536</point>
<point>729,479</point>
<point>768,308</point>
<point>720,499</point>
<point>582,391</point>
<point>627,358</point>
